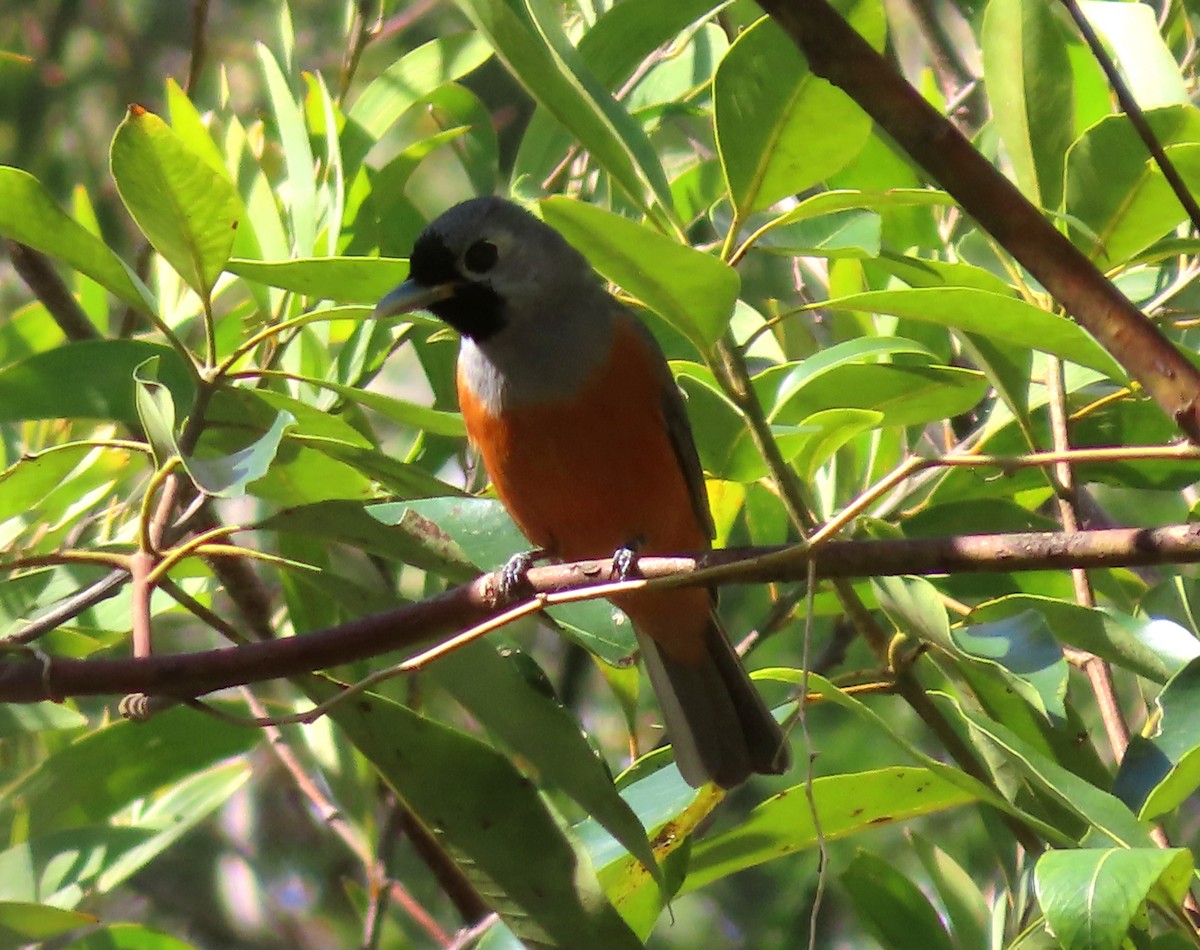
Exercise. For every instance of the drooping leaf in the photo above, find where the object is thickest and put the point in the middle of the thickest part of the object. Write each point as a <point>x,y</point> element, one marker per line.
<point>30,216</point>
<point>693,290</point>
<point>492,821</point>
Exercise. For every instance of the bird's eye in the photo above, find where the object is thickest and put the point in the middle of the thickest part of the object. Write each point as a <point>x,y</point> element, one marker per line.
<point>481,257</point>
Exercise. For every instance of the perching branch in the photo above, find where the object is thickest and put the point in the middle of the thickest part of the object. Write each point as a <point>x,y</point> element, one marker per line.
<point>27,676</point>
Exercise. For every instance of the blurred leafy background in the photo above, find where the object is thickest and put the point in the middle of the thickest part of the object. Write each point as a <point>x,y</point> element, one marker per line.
<point>335,131</point>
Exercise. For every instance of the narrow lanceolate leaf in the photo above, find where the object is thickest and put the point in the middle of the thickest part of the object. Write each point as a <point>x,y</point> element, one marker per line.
<point>187,211</point>
<point>346,279</point>
<point>533,47</point>
<point>410,78</point>
<point>1113,193</point>
<point>780,127</point>
<point>846,805</point>
<point>491,820</point>
<point>1090,896</point>
<point>297,155</point>
<point>526,716</point>
<point>30,216</point>
<point>101,381</point>
<point>692,290</point>
<point>892,907</point>
<point>1030,88</point>
<point>992,315</point>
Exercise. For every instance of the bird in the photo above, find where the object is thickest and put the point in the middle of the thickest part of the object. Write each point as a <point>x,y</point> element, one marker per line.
<point>571,405</point>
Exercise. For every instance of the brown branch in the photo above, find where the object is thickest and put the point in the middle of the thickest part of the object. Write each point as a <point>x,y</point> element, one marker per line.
<point>39,275</point>
<point>199,45</point>
<point>836,51</point>
<point>25,679</point>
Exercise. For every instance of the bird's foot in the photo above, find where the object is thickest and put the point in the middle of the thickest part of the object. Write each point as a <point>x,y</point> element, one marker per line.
<point>625,561</point>
<point>514,576</point>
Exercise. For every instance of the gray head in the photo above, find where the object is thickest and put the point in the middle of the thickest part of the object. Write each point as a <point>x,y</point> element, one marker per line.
<point>487,264</point>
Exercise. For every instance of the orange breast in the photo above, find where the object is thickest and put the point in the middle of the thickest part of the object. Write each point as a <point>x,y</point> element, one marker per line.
<point>597,472</point>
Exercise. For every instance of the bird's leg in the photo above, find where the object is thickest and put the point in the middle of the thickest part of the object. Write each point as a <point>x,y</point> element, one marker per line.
<point>515,574</point>
<point>625,559</point>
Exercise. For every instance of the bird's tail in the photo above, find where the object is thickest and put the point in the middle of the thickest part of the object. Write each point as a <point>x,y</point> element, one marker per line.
<point>718,724</point>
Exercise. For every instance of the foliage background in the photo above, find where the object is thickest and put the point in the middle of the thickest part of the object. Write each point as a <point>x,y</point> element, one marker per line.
<point>210,834</point>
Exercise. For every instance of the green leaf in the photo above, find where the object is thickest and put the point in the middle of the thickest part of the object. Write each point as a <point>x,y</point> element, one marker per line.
<point>1161,767</point>
<point>528,718</point>
<point>22,923</point>
<point>965,904</point>
<point>227,476</point>
<point>1030,88</point>
<point>846,805</point>
<point>616,45</point>
<point>1156,649</point>
<point>30,216</point>
<point>1107,816</point>
<point>156,411</point>
<point>483,530</point>
<point>297,155</point>
<point>671,810</point>
<point>123,762</point>
<point>409,79</point>
<point>101,375</point>
<point>950,774</point>
<point>694,291</point>
<point>36,717</point>
<point>996,316</point>
<point>530,41</point>
<point>1131,35</point>
<point>27,483</point>
<point>380,529</point>
<point>1090,896</point>
<point>915,607</point>
<point>63,866</point>
<point>187,211</point>
<point>129,937</point>
<point>891,906</point>
<point>781,128</point>
<point>1024,646</point>
<point>432,421</point>
<point>902,394</point>
<point>361,280</point>
<point>1113,191</point>
<point>492,821</point>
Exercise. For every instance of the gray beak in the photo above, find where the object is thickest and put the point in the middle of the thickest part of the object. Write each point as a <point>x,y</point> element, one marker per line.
<point>411,296</point>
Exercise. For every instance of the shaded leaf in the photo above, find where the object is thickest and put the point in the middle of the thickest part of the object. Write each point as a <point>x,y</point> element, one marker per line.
<point>101,374</point>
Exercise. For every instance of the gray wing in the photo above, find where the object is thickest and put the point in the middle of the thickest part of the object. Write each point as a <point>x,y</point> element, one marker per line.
<point>679,428</point>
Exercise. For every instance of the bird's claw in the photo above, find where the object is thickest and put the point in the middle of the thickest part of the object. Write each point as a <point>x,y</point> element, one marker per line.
<point>514,576</point>
<point>624,562</point>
